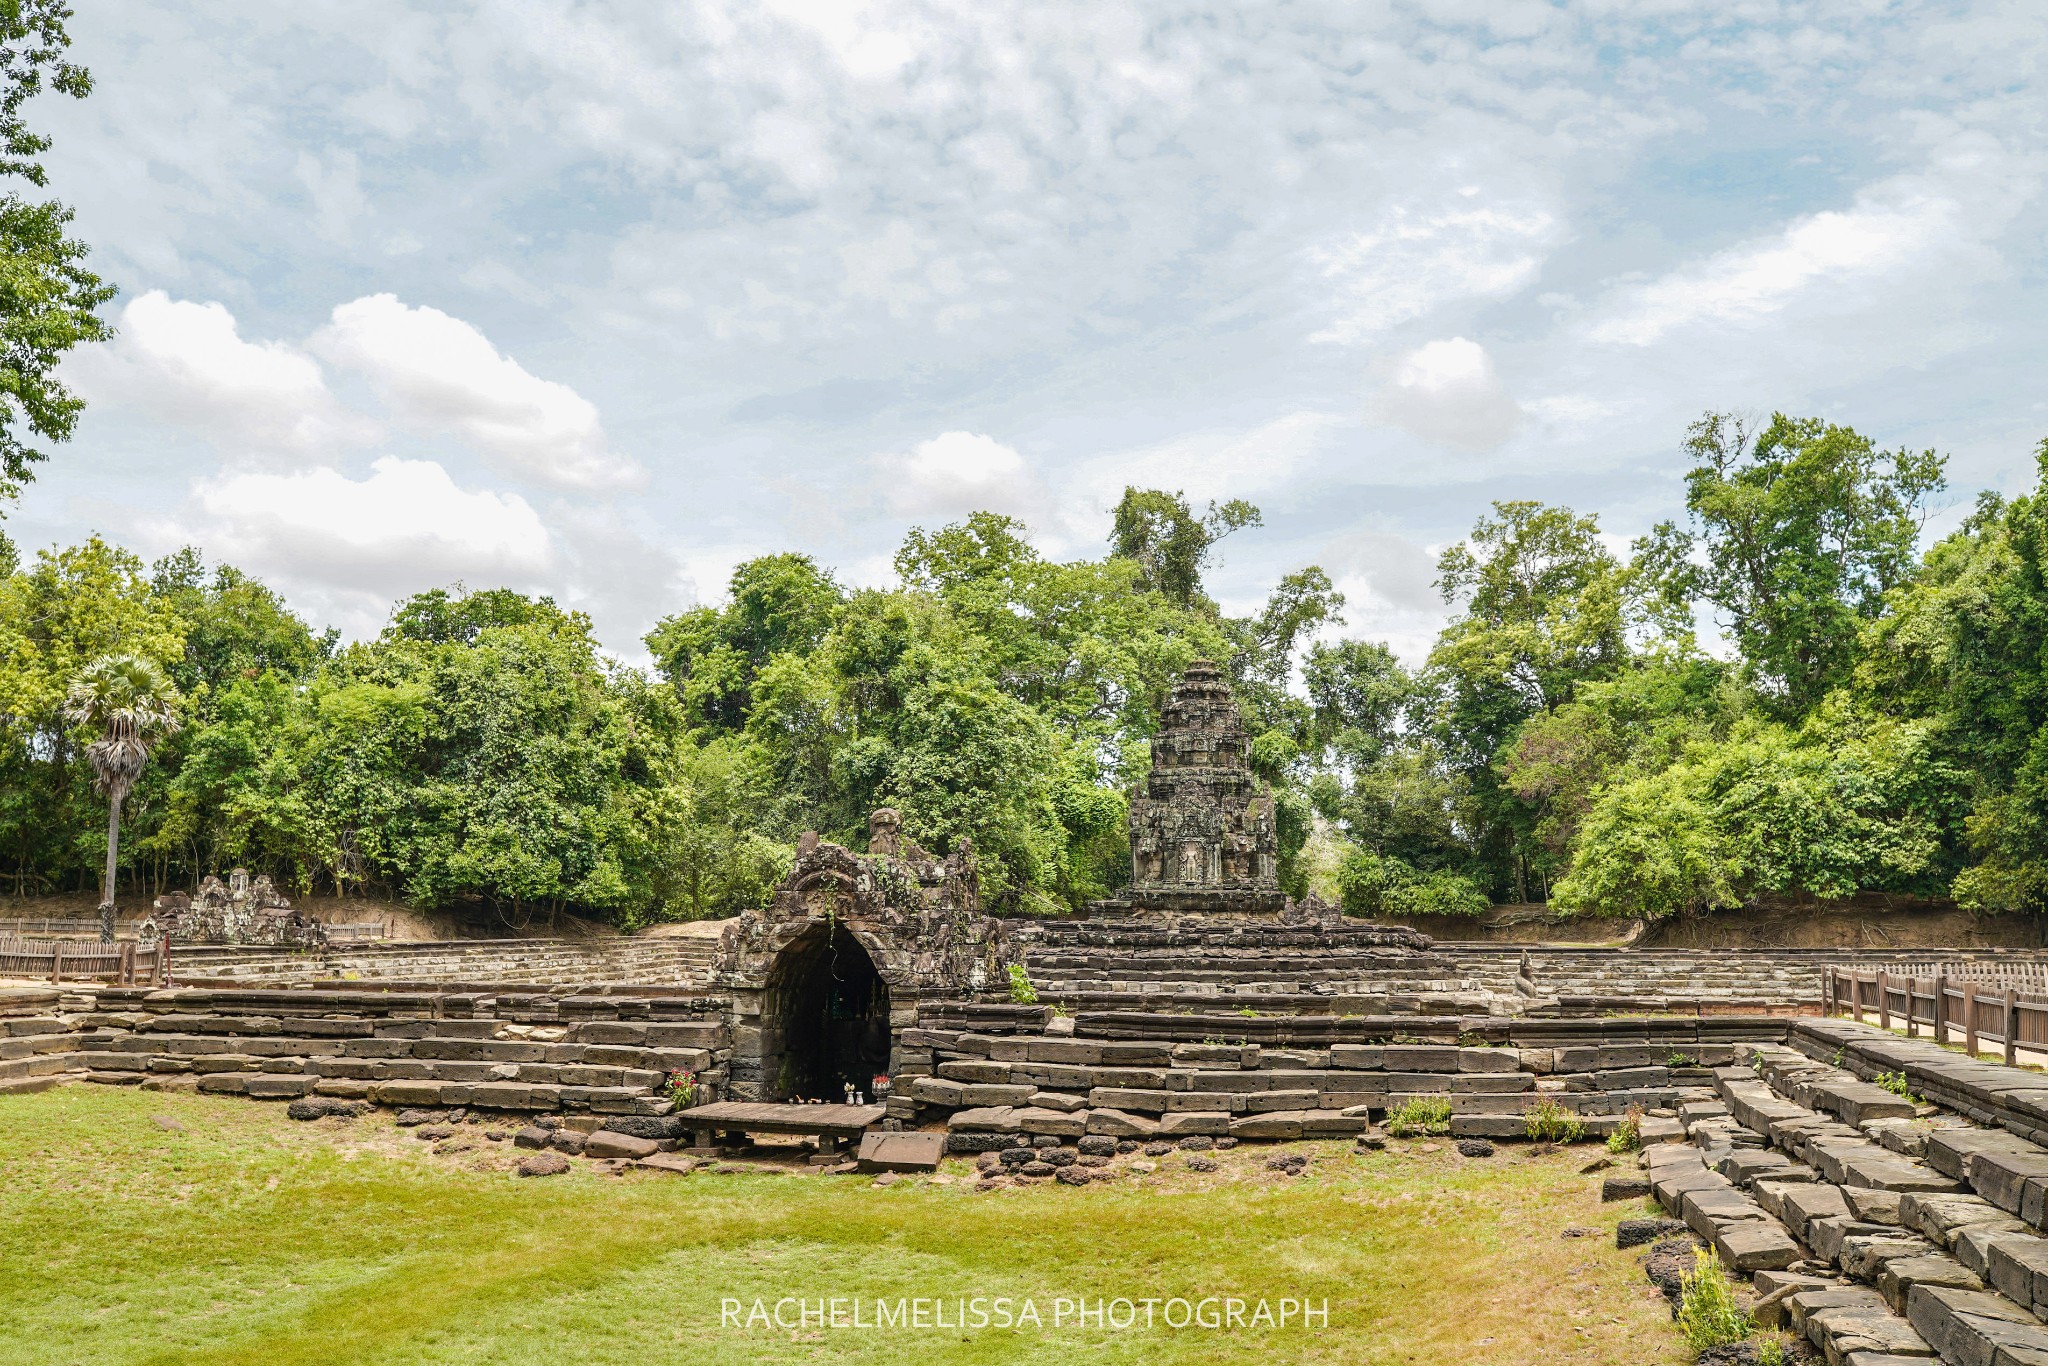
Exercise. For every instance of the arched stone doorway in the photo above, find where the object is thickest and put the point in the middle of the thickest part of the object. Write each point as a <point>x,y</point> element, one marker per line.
<point>830,1013</point>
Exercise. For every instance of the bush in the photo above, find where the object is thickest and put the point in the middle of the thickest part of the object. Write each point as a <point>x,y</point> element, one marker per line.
<point>1419,1116</point>
<point>1895,1082</point>
<point>1022,993</point>
<point>1548,1122</point>
<point>1629,1137</point>
<point>1372,885</point>
<point>1708,1313</point>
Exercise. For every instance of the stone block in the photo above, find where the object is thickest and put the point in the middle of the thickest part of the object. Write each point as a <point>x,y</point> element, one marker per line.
<point>1125,1098</point>
<point>1177,1124</point>
<point>1755,1245</point>
<point>1975,1326</point>
<point>983,1093</point>
<point>1121,1124</point>
<point>1280,1124</point>
<point>997,1119</point>
<point>939,1091</point>
<point>1420,1058</point>
<point>1488,1060</point>
<point>1359,1057</point>
<point>2001,1176</point>
<point>1061,1123</point>
<point>2018,1268</point>
<point>605,1143</point>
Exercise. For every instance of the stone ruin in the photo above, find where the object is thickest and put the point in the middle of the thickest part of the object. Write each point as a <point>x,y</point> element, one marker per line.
<point>1203,832</point>
<point>838,959</point>
<point>237,912</point>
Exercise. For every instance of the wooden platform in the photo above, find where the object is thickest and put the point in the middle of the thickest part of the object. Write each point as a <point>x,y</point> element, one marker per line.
<point>837,1124</point>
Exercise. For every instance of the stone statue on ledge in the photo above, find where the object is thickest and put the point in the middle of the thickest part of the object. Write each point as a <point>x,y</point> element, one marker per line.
<point>239,912</point>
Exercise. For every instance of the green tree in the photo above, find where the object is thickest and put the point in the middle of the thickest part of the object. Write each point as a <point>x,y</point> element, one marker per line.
<point>1545,608</point>
<point>1170,544</point>
<point>48,299</point>
<point>1800,531</point>
<point>129,702</point>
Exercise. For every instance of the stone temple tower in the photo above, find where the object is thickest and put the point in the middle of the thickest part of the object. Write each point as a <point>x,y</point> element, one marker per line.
<point>1203,836</point>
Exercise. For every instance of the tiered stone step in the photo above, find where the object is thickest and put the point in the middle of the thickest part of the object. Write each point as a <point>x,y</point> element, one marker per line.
<point>1930,1254</point>
<point>1576,980</point>
<point>539,1053</point>
<point>680,960</point>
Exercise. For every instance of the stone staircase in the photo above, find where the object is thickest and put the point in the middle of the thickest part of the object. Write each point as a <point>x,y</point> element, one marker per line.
<point>681,960</point>
<point>1886,1231</point>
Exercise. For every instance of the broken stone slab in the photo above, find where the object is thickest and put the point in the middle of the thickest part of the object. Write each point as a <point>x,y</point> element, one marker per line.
<point>903,1152</point>
<point>605,1143</point>
<point>1898,1277</point>
<point>675,1164</point>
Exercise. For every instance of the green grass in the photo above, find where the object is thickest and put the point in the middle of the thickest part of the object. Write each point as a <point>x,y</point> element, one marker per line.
<point>246,1238</point>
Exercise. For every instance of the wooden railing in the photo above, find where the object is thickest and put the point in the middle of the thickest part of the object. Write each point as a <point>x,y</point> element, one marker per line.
<point>1968,1002</point>
<point>57,960</point>
<point>351,933</point>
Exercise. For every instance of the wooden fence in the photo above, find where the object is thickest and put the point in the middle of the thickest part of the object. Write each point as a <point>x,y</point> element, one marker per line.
<point>82,927</point>
<point>57,960</point>
<point>1970,1003</point>
<point>351,933</point>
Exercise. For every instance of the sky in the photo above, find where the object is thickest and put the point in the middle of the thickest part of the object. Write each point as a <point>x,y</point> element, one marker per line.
<point>600,300</point>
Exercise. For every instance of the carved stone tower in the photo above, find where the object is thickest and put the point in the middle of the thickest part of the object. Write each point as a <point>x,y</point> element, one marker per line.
<point>1203,836</point>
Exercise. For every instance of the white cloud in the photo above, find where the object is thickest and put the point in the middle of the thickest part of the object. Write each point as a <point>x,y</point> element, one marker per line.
<point>1448,392</point>
<point>1416,259</point>
<point>955,473</point>
<point>405,527</point>
<point>187,363</point>
<point>436,369</point>
<point>1933,224</point>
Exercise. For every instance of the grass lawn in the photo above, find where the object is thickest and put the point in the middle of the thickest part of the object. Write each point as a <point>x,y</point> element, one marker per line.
<point>243,1237</point>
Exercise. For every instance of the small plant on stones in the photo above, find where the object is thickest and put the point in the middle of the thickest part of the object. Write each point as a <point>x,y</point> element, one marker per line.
<point>1771,1350</point>
<point>1419,1116</point>
<point>1548,1122</point>
<point>1681,1060</point>
<point>1840,1053</point>
<point>1628,1135</point>
<point>1709,1315</point>
<point>1895,1082</point>
<point>681,1087</point>
<point>1247,1010</point>
<point>1022,993</point>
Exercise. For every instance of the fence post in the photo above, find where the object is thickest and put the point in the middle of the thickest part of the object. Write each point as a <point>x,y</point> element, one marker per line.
<point>1884,1001</point>
<point>1970,1016</point>
<point>2012,1027</point>
<point>57,961</point>
<point>126,966</point>
<point>1912,1007</point>
<point>1856,995</point>
<point>1827,991</point>
<point>1941,1007</point>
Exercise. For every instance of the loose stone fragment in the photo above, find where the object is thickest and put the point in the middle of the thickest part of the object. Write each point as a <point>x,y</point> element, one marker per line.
<point>543,1164</point>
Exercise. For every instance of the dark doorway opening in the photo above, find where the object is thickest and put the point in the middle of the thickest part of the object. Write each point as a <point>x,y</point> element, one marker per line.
<point>832,1012</point>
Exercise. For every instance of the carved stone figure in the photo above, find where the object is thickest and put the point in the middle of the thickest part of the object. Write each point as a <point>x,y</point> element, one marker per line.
<point>885,832</point>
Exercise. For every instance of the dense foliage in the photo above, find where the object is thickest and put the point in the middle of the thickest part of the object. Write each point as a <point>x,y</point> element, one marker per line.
<point>1875,720</point>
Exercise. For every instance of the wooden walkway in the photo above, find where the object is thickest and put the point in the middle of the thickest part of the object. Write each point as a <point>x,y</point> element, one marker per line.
<point>836,1124</point>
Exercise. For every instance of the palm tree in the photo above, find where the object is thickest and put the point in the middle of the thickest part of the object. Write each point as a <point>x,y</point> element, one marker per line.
<point>128,700</point>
